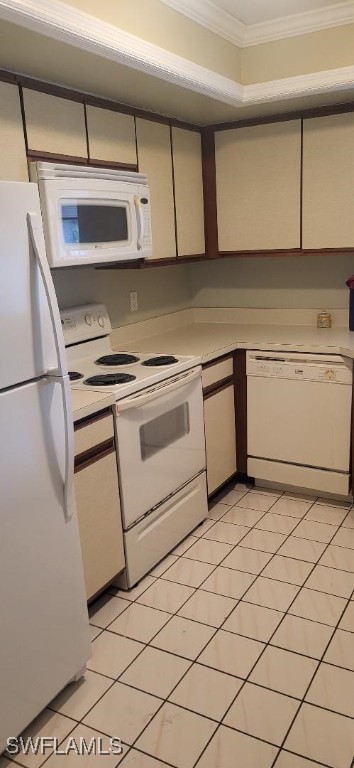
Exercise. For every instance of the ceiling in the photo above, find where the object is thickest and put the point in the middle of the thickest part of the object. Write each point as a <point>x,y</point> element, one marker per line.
<point>260,11</point>
<point>252,22</point>
<point>48,40</point>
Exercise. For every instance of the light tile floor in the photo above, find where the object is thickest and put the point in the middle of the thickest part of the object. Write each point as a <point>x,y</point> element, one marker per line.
<point>237,651</point>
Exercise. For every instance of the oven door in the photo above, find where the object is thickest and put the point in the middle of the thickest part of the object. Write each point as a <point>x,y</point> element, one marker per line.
<point>160,441</point>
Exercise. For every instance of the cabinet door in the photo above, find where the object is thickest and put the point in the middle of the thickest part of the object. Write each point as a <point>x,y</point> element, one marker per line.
<point>328,182</point>
<point>54,125</point>
<point>154,156</point>
<point>188,182</point>
<point>13,162</point>
<point>111,136</point>
<point>258,187</point>
<point>98,511</point>
<point>220,437</point>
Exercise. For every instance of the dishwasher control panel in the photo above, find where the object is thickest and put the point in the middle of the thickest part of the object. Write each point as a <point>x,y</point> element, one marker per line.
<point>302,367</point>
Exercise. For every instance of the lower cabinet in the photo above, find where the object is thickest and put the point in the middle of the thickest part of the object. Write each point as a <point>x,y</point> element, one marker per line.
<point>98,504</point>
<point>219,419</point>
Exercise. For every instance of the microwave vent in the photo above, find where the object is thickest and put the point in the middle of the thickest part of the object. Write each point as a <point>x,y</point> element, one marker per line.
<point>42,171</point>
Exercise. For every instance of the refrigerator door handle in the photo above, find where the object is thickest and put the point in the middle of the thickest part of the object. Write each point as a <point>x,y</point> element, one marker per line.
<point>35,224</point>
<point>68,487</point>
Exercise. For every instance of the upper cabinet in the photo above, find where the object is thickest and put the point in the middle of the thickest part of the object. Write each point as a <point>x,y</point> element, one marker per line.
<point>13,162</point>
<point>328,182</point>
<point>258,173</point>
<point>55,125</point>
<point>154,156</point>
<point>188,185</point>
<point>111,136</point>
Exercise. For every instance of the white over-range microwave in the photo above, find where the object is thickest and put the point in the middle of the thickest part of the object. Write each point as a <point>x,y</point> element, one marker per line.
<point>93,215</point>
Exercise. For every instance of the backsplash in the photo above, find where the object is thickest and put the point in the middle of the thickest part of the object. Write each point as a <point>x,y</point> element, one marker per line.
<point>160,291</point>
<point>301,282</point>
<point>304,281</point>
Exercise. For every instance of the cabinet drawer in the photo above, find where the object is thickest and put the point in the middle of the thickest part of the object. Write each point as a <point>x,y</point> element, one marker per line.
<point>217,372</point>
<point>93,432</point>
<point>100,527</point>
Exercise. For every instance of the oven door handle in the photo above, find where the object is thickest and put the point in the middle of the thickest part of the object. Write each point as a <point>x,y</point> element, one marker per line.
<point>153,394</point>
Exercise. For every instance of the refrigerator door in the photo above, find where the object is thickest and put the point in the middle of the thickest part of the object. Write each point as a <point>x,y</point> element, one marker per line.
<point>43,615</point>
<point>31,341</point>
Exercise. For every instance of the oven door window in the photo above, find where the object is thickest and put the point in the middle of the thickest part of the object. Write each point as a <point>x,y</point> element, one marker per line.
<point>159,433</point>
<point>91,222</point>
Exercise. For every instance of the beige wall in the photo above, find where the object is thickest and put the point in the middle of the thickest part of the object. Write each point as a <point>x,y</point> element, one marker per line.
<point>160,291</point>
<point>273,282</point>
<point>281,282</point>
<point>155,22</point>
<point>314,52</point>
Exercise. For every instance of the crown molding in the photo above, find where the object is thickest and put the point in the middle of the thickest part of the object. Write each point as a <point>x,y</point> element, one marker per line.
<point>299,24</point>
<point>66,24</point>
<point>204,12</point>
<point>69,25</point>
<point>316,83</point>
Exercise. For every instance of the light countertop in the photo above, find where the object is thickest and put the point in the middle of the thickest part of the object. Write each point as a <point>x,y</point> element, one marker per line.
<point>210,340</point>
<point>87,402</point>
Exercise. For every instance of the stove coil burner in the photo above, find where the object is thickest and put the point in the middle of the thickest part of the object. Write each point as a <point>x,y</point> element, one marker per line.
<point>117,359</point>
<point>108,379</point>
<point>75,375</point>
<point>161,360</point>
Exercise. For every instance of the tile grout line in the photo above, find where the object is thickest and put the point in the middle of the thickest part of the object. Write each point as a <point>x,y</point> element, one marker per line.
<point>320,661</point>
<point>285,614</point>
<point>238,601</point>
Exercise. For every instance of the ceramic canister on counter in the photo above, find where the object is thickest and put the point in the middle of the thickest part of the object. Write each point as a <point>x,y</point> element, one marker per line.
<point>324,320</point>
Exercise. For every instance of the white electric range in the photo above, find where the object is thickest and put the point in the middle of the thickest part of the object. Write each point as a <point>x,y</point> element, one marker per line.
<point>159,430</point>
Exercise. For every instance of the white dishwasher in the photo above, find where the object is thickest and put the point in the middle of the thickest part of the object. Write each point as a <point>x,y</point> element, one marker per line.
<point>299,420</point>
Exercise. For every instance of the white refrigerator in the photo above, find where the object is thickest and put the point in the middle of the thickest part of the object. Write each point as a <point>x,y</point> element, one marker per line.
<point>44,632</point>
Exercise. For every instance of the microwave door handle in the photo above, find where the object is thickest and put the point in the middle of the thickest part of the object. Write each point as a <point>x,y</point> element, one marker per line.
<point>34,224</point>
<point>140,222</point>
<point>136,402</point>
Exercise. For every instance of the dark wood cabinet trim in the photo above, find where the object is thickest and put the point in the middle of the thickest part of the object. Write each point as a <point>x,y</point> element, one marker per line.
<point>87,420</point>
<point>112,164</point>
<point>209,193</point>
<point>240,396</point>
<point>90,100</point>
<point>24,126</point>
<point>217,360</point>
<point>149,263</point>
<point>265,252</point>
<point>86,134</point>
<point>141,264</point>
<point>174,191</point>
<point>100,451</point>
<point>351,458</point>
<point>34,154</point>
<point>303,114</point>
<point>301,176</point>
<point>217,387</point>
<point>7,77</point>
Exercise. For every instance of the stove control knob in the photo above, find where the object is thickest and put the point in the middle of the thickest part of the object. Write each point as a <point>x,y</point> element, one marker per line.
<point>101,321</point>
<point>330,375</point>
<point>88,319</point>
